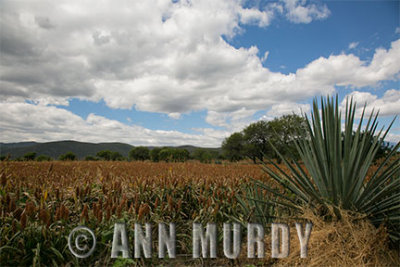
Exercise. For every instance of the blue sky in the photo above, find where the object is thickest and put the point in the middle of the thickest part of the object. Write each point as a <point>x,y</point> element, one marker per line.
<point>174,73</point>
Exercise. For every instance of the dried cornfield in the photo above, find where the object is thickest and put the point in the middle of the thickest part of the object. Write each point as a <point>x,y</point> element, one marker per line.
<point>42,202</point>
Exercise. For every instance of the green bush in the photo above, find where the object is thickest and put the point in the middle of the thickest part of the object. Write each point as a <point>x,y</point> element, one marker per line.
<point>155,154</point>
<point>68,156</point>
<point>104,154</point>
<point>30,156</point>
<point>90,158</point>
<point>43,158</point>
<point>116,156</point>
<point>202,155</point>
<point>139,153</point>
<point>173,154</point>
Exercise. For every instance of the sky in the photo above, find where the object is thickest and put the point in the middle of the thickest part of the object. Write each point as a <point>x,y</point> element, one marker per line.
<point>188,72</point>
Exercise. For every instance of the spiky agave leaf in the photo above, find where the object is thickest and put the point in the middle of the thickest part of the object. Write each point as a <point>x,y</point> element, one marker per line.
<point>337,163</point>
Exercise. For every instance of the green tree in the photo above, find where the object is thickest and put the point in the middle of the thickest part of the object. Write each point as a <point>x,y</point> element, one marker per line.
<point>256,140</point>
<point>155,154</point>
<point>202,155</point>
<point>104,154</point>
<point>30,156</point>
<point>233,147</point>
<point>68,156</point>
<point>284,131</point>
<point>43,158</point>
<point>139,153</point>
<point>180,155</point>
<point>216,155</point>
<point>166,154</point>
<point>173,154</point>
<point>116,156</point>
<point>90,158</point>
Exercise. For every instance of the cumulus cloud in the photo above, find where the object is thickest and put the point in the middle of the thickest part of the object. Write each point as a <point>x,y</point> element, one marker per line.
<point>349,70</point>
<point>299,11</point>
<point>286,108</point>
<point>255,16</point>
<point>233,121</point>
<point>155,56</point>
<point>24,121</point>
<point>388,104</point>
<point>161,56</point>
<point>393,137</point>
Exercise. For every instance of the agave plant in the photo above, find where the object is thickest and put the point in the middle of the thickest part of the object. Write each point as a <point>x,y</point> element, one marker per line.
<point>336,163</point>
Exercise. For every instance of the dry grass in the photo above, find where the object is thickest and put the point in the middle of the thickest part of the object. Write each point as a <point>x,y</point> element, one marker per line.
<point>352,241</point>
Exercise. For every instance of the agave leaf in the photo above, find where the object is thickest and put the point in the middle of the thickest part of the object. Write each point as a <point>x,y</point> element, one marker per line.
<point>337,163</point>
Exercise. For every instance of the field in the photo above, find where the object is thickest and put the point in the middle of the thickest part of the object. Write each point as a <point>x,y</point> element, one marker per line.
<point>42,202</point>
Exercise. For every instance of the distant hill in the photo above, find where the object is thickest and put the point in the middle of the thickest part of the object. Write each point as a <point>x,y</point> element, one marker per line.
<point>80,149</point>
<point>191,149</point>
<point>55,149</point>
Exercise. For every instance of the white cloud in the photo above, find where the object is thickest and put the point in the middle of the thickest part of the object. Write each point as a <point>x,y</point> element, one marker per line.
<point>255,16</point>
<point>265,57</point>
<point>353,45</point>
<point>388,104</point>
<point>155,56</point>
<point>24,122</point>
<point>210,132</point>
<point>286,108</point>
<point>165,57</point>
<point>301,12</point>
<point>349,70</point>
<point>174,115</point>
<point>393,137</point>
<point>233,121</point>
<point>397,30</point>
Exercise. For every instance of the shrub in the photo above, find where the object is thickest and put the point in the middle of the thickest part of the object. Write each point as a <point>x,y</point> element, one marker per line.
<point>90,158</point>
<point>139,153</point>
<point>165,154</point>
<point>173,154</point>
<point>180,155</point>
<point>155,154</point>
<point>68,156</point>
<point>116,156</point>
<point>202,155</point>
<point>104,154</point>
<point>30,156</point>
<point>43,158</point>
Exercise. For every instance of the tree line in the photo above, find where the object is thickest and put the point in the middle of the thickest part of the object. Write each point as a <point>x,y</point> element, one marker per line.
<point>265,139</point>
<point>139,153</point>
<point>256,141</point>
